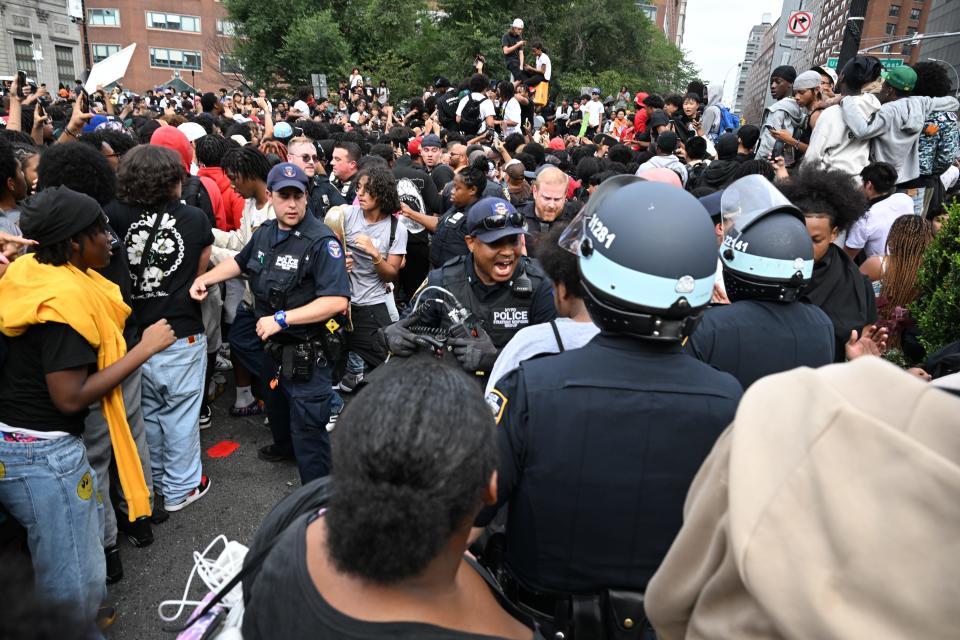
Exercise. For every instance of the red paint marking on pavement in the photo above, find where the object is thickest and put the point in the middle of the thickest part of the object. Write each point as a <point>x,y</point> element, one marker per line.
<point>223,449</point>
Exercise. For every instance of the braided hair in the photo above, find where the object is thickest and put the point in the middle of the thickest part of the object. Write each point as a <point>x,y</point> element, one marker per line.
<point>246,162</point>
<point>908,239</point>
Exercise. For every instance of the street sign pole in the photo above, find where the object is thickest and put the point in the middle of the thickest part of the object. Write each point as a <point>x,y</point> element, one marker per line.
<point>853,31</point>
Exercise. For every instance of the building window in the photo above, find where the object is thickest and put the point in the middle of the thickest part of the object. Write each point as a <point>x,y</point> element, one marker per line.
<point>648,10</point>
<point>226,28</point>
<point>173,22</point>
<point>894,10</point>
<point>65,68</point>
<point>103,51</point>
<point>914,14</point>
<point>103,17</point>
<point>230,64</point>
<point>23,51</point>
<point>891,29</point>
<point>174,59</point>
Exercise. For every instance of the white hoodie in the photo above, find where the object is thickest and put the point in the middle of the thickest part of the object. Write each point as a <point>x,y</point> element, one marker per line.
<point>832,146</point>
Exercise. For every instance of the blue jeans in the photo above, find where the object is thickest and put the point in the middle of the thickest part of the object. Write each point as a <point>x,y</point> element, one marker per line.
<point>51,489</point>
<point>172,395</point>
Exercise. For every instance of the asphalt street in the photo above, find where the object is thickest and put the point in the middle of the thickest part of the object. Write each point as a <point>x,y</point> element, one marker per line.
<point>243,490</point>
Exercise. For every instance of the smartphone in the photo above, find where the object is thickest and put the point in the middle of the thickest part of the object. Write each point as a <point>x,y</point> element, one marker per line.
<point>83,101</point>
<point>40,110</point>
<point>21,83</point>
<point>769,127</point>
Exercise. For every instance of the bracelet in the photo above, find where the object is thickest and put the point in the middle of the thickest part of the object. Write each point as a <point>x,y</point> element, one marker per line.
<point>67,131</point>
<point>376,262</point>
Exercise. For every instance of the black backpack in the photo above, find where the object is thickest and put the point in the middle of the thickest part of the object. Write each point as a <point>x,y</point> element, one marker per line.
<point>470,117</point>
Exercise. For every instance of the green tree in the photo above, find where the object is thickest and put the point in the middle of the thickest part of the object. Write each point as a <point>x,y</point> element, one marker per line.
<point>937,309</point>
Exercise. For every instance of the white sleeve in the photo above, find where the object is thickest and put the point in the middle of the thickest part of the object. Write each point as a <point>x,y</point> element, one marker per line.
<point>858,234</point>
<point>487,109</point>
<point>462,104</point>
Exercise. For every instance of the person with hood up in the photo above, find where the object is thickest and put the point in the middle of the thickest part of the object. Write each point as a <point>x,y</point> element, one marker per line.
<point>784,114</point>
<point>198,191</point>
<point>641,116</point>
<point>894,130</point>
<point>721,171</point>
<point>832,146</point>
<point>666,157</point>
<point>781,535</point>
<point>710,121</point>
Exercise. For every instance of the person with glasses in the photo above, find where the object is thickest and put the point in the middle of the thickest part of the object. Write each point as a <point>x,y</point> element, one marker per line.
<point>302,151</point>
<point>503,289</point>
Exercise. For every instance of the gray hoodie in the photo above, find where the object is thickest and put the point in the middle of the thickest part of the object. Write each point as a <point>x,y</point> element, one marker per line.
<point>894,130</point>
<point>783,114</point>
<point>710,122</point>
<point>667,162</point>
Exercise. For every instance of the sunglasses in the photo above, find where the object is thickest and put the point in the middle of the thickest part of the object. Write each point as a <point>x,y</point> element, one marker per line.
<point>306,157</point>
<point>494,223</point>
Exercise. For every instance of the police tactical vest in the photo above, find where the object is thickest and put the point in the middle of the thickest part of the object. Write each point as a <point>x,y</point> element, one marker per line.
<point>504,313</point>
<point>280,275</point>
<point>448,239</point>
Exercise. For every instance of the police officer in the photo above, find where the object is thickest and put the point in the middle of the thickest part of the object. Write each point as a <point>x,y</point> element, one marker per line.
<point>767,259</point>
<point>598,445</point>
<point>549,205</point>
<point>504,290</point>
<point>321,195</point>
<point>451,229</point>
<point>298,276</point>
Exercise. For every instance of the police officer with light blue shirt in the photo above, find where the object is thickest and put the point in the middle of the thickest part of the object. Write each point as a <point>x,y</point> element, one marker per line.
<point>599,445</point>
<point>298,276</point>
<point>767,259</point>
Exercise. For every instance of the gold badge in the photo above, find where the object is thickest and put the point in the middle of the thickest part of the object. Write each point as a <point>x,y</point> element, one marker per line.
<point>85,487</point>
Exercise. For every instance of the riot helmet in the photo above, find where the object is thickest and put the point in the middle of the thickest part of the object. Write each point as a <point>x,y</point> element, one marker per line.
<point>766,253</point>
<point>646,256</point>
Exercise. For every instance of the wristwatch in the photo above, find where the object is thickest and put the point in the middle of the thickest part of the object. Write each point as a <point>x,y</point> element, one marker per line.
<point>280,317</point>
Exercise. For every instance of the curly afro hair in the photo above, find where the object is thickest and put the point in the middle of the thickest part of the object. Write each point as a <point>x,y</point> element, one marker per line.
<point>119,141</point>
<point>410,474</point>
<point>932,80</point>
<point>382,185</point>
<point>149,175</point>
<point>80,167</point>
<point>829,192</point>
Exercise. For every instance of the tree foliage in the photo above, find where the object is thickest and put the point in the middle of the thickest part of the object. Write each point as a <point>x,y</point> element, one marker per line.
<point>606,43</point>
<point>937,309</point>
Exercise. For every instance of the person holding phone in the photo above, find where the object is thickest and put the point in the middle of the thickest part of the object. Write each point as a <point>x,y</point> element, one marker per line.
<point>784,114</point>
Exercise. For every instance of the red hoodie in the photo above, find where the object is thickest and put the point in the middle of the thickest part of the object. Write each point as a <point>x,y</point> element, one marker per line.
<point>175,140</point>
<point>640,119</point>
<point>232,201</point>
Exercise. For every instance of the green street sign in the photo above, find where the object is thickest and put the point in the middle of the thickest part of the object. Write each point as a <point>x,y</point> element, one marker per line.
<point>888,63</point>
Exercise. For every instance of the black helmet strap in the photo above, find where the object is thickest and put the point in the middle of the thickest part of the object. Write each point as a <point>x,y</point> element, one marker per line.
<point>643,325</point>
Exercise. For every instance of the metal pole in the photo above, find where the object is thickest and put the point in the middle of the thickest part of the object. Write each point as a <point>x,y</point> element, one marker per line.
<point>84,38</point>
<point>917,37</point>
<point>952,68</point>
<point>853,31</point>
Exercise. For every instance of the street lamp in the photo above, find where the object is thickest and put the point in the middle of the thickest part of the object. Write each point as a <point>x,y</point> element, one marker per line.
<point>952,68</point>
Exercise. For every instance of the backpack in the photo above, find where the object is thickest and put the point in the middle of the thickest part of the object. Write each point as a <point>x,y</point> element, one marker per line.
<point>728,122</point>
<point>470,117</point>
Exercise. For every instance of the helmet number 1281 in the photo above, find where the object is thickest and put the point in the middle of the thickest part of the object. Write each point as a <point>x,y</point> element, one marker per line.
<point>601,232</point>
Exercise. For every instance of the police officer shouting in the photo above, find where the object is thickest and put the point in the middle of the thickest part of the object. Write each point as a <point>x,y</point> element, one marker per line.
<point>298,276</point>
<point>767,258</point>
<point>503,289</point>
<point>598,445</point>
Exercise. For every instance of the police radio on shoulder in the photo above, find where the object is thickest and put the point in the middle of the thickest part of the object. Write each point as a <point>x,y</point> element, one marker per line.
<point>280,317</point>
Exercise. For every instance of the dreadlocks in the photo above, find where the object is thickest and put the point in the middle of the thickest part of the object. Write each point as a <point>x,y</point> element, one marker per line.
<point>246,162</point>
<point>908,239</point>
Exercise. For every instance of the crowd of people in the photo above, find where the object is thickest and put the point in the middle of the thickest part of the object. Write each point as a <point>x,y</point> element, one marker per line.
<point>646,291</point>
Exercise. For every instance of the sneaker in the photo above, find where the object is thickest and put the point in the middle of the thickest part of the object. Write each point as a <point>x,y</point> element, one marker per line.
<point>193,496</point>
<point>224,350</point>
<point>271,453</point>
<point>138,532</point>
<point>106,616</point>
<point>206,417</point>
<point>223,363</point>
<point>332,421</point>
<point>114,566</point>
<point>350,381</point>
<point>255,408</point>
<point>160,514</point>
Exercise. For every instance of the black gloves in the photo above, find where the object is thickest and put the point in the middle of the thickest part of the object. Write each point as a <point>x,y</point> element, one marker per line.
<point>399,339</point>
<point>474,354</point>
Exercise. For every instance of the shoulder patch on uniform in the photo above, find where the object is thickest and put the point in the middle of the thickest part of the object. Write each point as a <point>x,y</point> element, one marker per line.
<point>497,403</point>
<point>333,248</point>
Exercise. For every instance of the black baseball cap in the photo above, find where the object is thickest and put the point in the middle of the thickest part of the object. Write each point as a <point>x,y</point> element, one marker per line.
<point>490,219</point>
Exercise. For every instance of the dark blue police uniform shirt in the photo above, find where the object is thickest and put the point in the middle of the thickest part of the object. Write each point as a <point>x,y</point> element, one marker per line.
<point>598,447</point>
<point>542,308</point>
<point>327,266</point>
<point>751,339</point>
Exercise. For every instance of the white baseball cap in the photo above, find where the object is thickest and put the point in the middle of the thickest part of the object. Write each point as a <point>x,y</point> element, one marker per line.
<point>192,130</point>
<point>518,23</point>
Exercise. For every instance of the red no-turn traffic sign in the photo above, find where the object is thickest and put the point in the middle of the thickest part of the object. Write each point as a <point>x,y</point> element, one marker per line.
<point>799,23</point>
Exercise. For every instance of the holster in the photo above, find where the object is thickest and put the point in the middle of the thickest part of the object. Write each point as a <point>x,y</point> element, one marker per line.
<point>624,614</point>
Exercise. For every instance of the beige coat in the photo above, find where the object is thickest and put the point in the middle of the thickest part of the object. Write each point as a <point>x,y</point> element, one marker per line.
<point>828,510</point>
